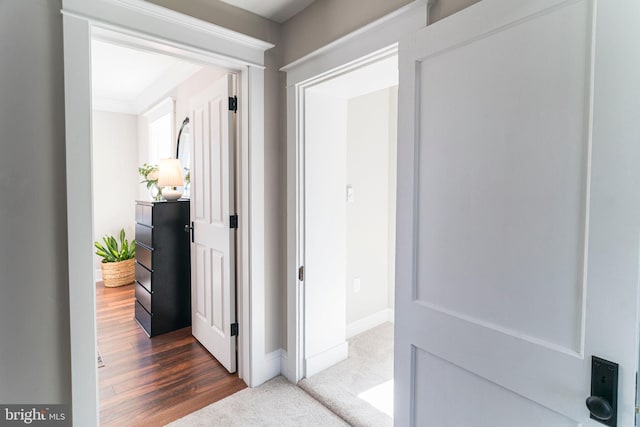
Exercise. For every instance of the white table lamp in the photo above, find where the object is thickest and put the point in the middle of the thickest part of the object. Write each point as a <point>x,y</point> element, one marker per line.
<point>169,177</point>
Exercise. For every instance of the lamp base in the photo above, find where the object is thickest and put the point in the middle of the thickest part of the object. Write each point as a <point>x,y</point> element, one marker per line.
<point>170,194</point>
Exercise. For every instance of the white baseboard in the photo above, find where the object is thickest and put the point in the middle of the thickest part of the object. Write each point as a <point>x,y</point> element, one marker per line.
<point>371,321</point>
<point>270,368</point>
<point>98,275</point>
<point>327,358</point>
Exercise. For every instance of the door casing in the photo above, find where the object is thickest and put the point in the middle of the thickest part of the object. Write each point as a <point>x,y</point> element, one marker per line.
<point>362,47</point>
<point>165,31</point>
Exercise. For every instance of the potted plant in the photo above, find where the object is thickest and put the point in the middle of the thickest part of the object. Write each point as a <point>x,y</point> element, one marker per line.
<point>149,174</point>
<point>118,263</point>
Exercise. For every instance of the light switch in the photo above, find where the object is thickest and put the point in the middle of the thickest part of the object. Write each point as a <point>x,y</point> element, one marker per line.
<point>349,194</point>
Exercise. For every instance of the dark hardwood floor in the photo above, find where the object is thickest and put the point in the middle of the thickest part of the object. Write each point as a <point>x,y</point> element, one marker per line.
<point>151,382</point>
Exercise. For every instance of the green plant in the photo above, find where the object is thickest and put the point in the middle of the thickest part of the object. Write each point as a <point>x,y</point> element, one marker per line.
<point>149,174</point>
<point>112,252</point>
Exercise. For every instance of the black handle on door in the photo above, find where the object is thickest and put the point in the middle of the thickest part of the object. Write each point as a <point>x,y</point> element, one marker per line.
<point>188,229</point>
<point>599,408</point>
<point>603,402</point>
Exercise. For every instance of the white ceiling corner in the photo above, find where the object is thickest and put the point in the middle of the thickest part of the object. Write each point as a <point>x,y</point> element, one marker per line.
<point>276,10</point>
<point>126,80</point>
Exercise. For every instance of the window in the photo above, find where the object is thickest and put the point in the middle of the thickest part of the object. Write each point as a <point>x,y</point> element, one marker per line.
<point>160,131</point>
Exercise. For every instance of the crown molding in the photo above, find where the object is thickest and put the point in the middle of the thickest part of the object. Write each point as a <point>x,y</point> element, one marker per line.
<point>173,16</point>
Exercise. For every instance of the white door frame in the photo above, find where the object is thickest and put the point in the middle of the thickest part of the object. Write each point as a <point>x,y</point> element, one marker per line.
<point>160,30</point>
<point>369,44</point>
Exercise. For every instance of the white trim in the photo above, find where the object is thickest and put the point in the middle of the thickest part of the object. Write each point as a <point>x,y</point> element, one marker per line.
<point>359,33</point>
<point>326,359</point>
<point>272,365</point>
<point>131,39</point>
<point>377,35</point>
<point>369,322</point>
<point>192,23</point>
<point>186,42</point>
<point>373,42</point>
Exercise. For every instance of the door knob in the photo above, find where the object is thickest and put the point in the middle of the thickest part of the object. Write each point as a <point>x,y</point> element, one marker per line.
<point>599,408</point>
<point>189,229</point>
<point>603,402</point>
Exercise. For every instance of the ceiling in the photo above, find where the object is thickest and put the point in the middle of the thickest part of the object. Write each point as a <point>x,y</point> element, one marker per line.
<point>276,10</point>
<point>126,80</point>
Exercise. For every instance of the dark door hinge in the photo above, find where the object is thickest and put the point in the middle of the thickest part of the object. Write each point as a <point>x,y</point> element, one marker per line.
<point>233,104</point>
<point>234,329</point>
<point>233,221</point>
<point>301,273</point>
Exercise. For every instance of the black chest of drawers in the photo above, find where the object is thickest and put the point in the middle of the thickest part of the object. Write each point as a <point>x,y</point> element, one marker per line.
<point>163,266</point>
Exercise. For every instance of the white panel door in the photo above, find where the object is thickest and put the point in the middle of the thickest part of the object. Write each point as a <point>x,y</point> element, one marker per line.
<point>325,233</point>
<point>213,289</point>
<point>518,213</point>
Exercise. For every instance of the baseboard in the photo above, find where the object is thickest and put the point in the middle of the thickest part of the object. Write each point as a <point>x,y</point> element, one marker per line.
<point>326,359</point>
<point>271,367</point>
<point>371,321</point>
<point>98,275</point>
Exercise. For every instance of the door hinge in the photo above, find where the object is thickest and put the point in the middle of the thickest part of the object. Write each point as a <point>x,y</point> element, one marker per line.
<point>233,221</point>
<point>234,329</point>
<point>301,273</point>
<point>233,104</point>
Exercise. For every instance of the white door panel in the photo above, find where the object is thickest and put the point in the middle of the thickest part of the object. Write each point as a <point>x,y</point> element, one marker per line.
<point>512,202</point>
<point>212,204</point>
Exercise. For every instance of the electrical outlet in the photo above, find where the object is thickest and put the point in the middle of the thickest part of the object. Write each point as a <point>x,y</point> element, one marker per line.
<point>356,285</point>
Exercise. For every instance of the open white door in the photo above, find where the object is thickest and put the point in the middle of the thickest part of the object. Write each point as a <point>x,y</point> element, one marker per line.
<point>213,288</point>
<point>325,232</point>
<point>518,213</point>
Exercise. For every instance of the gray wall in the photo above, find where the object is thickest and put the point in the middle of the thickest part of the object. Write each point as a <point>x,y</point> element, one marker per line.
<point>34,307</point>
<point>327,20</point>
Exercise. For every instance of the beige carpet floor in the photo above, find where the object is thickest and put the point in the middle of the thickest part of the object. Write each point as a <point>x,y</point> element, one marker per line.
<point>360,389</point>
<point>275,403</point>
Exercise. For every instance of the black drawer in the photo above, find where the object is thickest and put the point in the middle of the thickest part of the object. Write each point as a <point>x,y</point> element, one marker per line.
<point>143,235</point>
<point>143,256</point>
<point>143,214</point>
<point>143,297</point>
<point>143,276</point>
<point>143,318</point>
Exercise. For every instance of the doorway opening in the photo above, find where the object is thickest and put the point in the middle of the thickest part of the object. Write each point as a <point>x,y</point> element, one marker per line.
<point>151,369</point>
<point>348,239</point>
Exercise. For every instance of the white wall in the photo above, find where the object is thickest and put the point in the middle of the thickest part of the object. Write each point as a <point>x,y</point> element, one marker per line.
<point>34,302</point>
<point>115,174</point>
<point>370,216</point>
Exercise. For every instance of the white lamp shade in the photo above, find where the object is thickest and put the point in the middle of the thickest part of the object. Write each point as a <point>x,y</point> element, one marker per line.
<point>170,173</point>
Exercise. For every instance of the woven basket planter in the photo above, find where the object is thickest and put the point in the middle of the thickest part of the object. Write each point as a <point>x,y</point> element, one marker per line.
<point>119,273</point>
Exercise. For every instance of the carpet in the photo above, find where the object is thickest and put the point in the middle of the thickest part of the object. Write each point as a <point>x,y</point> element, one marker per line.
<point>274,403</point>
<point>360,388</point>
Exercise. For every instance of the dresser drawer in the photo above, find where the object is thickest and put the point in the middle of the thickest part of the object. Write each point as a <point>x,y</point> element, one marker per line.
<point>144,318</point>
<point>143,214</point>
<point>143,297</point>
<point>143,276</point>
<point>143,256</point>
<point>143,234</point>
